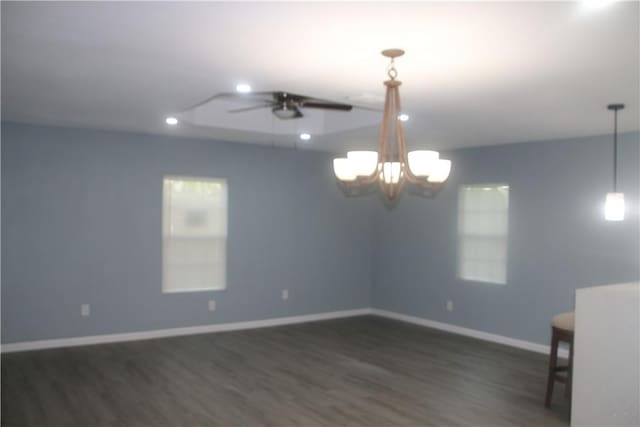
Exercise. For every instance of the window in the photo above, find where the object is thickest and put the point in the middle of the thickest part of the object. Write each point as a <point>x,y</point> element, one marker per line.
<point>194,234</point>
<point>483,224</point>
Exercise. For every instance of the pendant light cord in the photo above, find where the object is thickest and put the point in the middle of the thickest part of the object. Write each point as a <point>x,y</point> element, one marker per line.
<point>615,151</point>
<point>615,108</point>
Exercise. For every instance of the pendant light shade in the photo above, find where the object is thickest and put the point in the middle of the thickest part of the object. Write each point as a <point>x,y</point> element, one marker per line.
<point>614,203</point>
<point>614,207</point>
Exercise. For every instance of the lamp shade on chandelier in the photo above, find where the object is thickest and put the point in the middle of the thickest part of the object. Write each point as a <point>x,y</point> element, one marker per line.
<point>392,166</point>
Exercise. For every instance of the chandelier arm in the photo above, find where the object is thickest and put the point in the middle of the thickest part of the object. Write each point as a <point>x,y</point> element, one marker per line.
<point>354,189</point>
<point>383,142</point>
<point>423,182</point>
<point>405,156</point>
<point>405,159</point>
<point>368,180</point>
<point>426,192</point>
<point>349,186</point>
<point>383,128</point>
<point>390,188</point>
<point>410,176</point>
<point>385,190</point>
<point>402,148</point>
<point>378,174</point>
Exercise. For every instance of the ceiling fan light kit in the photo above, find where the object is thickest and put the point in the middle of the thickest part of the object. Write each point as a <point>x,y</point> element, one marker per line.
<point>391,166</point>
<point>286,112</point>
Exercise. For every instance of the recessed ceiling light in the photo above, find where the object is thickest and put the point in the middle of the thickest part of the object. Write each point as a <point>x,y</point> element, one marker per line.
<point>243,88</point>
<point>171,121</point>
<point>305,136</point>
<point>403,117</point>
<point>596,4</point>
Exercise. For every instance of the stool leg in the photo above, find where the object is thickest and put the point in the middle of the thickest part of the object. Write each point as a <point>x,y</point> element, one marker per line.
<point>567,389</point>
<point>553,361</point>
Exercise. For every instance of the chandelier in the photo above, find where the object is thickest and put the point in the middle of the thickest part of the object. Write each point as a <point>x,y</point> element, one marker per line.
<point>391,166</point>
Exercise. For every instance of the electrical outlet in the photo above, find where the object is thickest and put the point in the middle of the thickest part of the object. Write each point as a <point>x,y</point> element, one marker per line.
<point>212,305</point>
<point>449,305</point>
<point>285,294</point>
<point>85,310</point>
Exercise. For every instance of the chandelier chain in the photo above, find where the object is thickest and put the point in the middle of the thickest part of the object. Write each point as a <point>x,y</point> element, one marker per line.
<point>391,70</point>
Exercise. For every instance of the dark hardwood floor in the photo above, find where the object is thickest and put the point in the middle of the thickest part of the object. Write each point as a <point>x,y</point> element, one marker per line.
<point>363,371</point>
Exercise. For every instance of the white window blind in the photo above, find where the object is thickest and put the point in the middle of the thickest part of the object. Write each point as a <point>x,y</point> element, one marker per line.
<point>194,234</point>
<point>483,227</point>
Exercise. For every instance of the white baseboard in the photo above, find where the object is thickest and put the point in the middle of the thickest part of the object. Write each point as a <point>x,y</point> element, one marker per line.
<point>486,336</point>
<point>191,330</point>
<point>254,324</point>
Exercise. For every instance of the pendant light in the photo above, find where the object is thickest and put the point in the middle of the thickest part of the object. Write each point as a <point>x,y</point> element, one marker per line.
<point>391,166</point>
<point>614,204</point>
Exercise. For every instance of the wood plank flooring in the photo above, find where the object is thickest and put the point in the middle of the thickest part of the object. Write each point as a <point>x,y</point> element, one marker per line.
<point>363,371</point>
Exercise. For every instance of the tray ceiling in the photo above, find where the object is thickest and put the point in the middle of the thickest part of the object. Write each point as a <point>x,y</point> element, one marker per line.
<point>474,73</point>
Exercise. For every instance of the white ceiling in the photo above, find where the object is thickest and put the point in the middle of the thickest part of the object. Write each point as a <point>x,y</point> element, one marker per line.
<point>474,73</point>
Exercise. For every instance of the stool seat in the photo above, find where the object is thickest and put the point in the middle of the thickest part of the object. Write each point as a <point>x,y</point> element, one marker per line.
<point>564,321</point>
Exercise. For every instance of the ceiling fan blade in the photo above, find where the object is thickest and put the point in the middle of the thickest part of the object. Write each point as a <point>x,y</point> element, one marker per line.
<point>360,107</point>
<point>205,101</point>
<point>254,107</point>
<point>326,105</point>
<point>253,96</point>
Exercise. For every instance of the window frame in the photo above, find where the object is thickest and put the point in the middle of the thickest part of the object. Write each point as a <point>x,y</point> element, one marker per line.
<point>460,236</point>
<point>210,179</point>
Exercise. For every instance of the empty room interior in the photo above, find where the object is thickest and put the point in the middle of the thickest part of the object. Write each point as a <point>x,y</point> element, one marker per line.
<point>320,213</point>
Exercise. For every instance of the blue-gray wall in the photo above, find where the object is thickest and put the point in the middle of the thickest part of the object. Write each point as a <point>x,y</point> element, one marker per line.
<point>81,215</point>
<point>558,240</point>
<point>81,223</point>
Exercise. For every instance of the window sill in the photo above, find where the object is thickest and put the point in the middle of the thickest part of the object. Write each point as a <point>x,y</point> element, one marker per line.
<point>482,282</point>
<point>188,291</point>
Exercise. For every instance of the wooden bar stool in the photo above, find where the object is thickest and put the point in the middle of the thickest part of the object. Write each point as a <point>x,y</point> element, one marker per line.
<point>562,327</point>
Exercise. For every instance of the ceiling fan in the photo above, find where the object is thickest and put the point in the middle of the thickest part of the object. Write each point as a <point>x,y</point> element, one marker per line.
<point>283,105</point>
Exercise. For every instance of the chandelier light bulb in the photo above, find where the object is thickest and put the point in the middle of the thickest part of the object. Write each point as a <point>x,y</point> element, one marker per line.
<point>391,172</point>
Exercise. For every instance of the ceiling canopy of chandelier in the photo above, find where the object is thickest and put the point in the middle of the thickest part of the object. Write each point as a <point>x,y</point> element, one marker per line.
<point>391,166</point>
